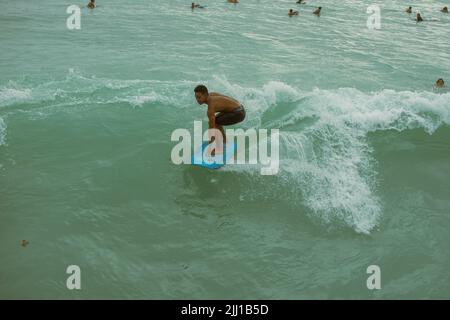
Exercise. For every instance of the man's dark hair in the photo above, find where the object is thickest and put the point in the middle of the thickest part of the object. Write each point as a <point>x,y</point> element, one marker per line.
<point>201,88</point>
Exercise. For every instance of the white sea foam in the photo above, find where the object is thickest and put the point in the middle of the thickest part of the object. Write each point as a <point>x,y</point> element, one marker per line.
<point>325,148</point>
<point>11,95</point>
<point>2,132</point>
<point>328,162</point>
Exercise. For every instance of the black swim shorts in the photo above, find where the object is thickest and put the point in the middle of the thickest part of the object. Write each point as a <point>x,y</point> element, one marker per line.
<point>232,117</point>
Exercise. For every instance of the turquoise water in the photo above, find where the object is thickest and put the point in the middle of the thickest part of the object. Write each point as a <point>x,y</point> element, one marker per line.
<point>85,171</point>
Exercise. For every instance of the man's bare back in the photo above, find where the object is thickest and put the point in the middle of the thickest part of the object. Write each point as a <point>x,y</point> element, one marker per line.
<point>221,103</point>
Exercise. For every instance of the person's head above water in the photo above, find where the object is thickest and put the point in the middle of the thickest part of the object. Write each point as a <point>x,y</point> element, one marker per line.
<point>440,83</point>
<point>445,9</point>
<point>201,94</point>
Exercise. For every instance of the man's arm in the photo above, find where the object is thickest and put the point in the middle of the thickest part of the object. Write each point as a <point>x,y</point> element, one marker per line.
<point>212,119</point>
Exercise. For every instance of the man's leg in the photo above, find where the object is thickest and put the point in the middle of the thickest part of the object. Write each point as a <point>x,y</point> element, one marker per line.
<point>224,137</point>
<point>220,142</point>
<point>228,118</point>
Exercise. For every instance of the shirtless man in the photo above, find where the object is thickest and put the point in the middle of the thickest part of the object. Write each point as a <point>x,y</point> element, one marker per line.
<point>230,111</point>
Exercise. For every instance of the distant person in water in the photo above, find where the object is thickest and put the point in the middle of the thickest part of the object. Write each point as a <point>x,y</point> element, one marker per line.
<point>419,18</point>
<point>233,1</point>
<point>301,1</point>
<point>317,11</point>
<point>440,83</point>
<point>91,4</point>
<point>409,10</point>
<point>444,10</point>
<point>196,5</point>
<point>230,111</point>
<point>292,13</point>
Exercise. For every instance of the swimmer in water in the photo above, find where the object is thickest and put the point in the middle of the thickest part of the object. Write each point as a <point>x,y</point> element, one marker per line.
<point>419,18</point>
<point>317,11</point>
<point>440,83</point>
<point>233,1</point>
<point>301,2</point>
<point>292,13</point>
<point>196,5</point>
<point>409,10</point>
<point>444,10</point>
<point>91,4</point>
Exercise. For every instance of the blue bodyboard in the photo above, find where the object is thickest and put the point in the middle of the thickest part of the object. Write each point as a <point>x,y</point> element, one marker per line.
<point>199,158</point>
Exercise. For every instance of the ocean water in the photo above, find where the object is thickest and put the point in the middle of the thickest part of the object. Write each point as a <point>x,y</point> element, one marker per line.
<point>86,176</point>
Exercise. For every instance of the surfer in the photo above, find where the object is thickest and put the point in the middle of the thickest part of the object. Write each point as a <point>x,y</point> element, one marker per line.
<point>292,13</point>
<point>409,10</point>
<point>301,2</point>
<point>230,111</point>
<point>91,4</point>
